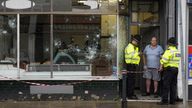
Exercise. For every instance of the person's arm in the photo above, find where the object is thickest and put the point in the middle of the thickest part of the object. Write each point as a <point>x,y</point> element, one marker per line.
<point>161,51</point>
<point>144,59</point>
<point>144,62</point>
<point>165,59</point>
<point>161,54</point>
<point>128,52</point>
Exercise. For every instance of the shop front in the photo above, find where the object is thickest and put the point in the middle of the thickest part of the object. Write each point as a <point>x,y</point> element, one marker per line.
<point>79,43</point>
<point>58,39</point>
<point>66,49</point>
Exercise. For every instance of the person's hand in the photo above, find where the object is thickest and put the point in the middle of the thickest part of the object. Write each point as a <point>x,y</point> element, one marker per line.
<point>161,68</point>
<point>145,67</point>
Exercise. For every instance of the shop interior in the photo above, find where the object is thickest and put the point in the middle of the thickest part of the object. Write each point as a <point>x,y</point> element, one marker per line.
<point>80,43</point>
<point>76,42</point>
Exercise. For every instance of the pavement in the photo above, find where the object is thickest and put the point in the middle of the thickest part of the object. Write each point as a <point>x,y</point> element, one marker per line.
<point>87,104</point>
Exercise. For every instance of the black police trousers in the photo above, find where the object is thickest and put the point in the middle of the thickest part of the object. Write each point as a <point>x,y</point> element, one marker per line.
<point>169,84</point>
<point>131,79</point>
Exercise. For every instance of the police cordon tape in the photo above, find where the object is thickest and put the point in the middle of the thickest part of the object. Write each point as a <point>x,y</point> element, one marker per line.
<point>70,83</point>
<point>42,84</point>
<point>135,72</point>
<point>26,82</point>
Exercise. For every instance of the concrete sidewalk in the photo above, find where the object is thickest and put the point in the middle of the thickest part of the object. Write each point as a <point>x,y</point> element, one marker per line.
<point>85,104</point>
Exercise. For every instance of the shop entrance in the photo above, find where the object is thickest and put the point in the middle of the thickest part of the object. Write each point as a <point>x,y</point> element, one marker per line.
<point>149,18</point>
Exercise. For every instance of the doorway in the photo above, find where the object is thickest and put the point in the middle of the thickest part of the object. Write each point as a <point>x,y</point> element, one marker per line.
<point>145,21</point>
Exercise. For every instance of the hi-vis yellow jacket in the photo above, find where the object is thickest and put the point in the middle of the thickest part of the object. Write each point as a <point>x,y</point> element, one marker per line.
<point>171,57</point>
<point>132,54</point>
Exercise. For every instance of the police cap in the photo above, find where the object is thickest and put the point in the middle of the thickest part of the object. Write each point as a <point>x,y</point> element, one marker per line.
<point>136,38</point>
<point>172,41</point>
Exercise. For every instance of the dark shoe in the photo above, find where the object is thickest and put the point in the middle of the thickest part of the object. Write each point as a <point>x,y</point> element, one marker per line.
<point>130,97</point>
<point>156,95</point>
<point>146,94</point>
<point>172,103</point>
<point>162,103</point>
<point>133,97</point>
<point>178,99</point>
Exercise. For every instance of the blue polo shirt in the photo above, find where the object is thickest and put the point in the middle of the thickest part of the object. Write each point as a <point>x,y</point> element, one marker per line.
<point>153,56</point>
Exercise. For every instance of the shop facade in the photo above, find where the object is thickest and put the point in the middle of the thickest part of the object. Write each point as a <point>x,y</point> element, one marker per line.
<point>76,39</point>
<point>78,43</point>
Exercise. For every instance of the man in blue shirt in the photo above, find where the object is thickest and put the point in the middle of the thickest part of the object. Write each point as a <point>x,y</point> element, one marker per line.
<point>151,59</point>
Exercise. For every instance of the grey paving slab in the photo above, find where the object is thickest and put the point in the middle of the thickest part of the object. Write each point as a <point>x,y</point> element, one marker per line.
<point>86,104</point>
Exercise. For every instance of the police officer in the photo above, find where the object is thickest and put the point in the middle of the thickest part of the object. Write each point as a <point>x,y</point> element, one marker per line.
<point>170,63</point>
<point>132,60</point>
